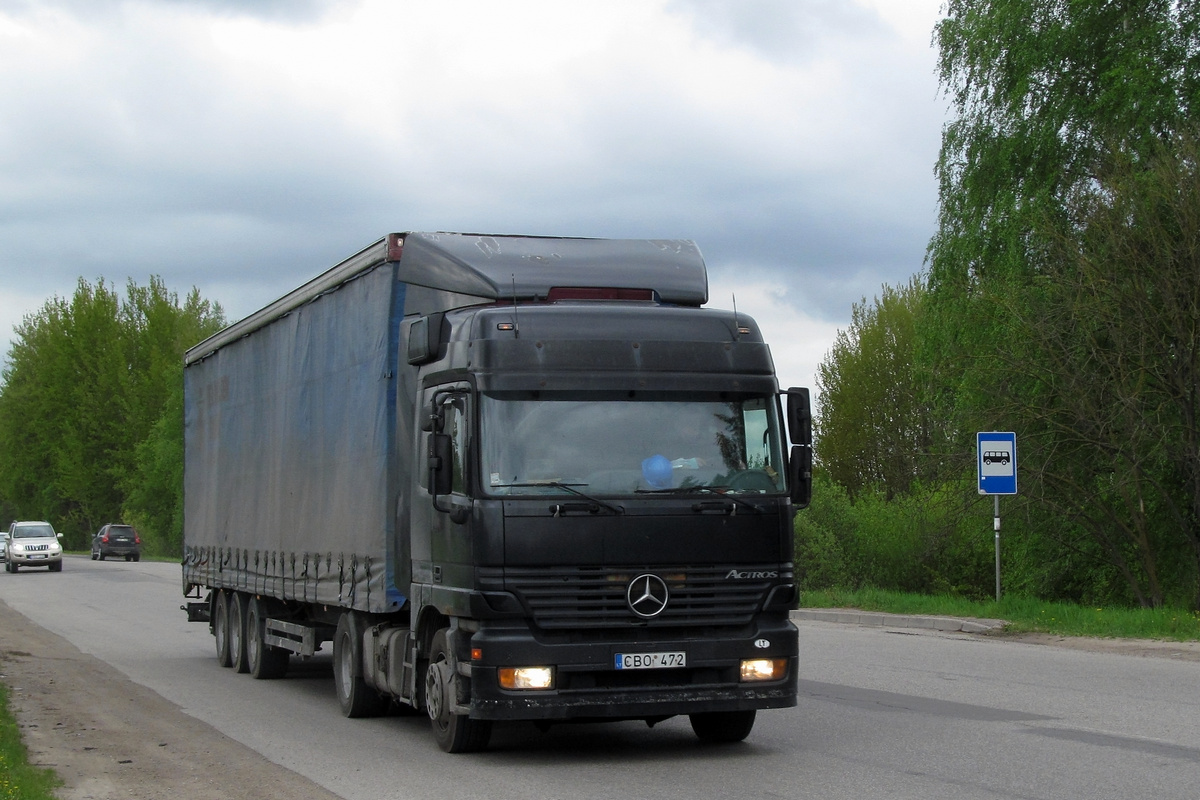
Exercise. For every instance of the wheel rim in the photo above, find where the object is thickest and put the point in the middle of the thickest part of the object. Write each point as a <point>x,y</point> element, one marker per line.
<point>435,693</point>
<point>345,666</point>
<point>221,627</point>
<point>235,632</point>
<point>252,639</point>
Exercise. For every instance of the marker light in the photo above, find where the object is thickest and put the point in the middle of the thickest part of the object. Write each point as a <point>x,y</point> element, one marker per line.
<point>526,677</point>
<point>764,669</point>
<point>557,293</point>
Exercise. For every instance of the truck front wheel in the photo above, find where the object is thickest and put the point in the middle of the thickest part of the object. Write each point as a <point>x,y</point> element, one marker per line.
<point>454,732</point>
<point>355,696</point>
<point>723,726</point>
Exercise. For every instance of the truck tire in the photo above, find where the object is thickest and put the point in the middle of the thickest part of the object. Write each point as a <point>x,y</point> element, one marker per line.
<point>263,661</point>
<point>455,733</point>
<point>220,617</point>
<point>55,567</point>
<point>723,726</point>
<point>237,632</point>
<point>355,696</point>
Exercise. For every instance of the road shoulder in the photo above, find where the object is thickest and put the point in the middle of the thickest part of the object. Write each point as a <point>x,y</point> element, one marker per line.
<point>995,628</point>
<point>108,737</point>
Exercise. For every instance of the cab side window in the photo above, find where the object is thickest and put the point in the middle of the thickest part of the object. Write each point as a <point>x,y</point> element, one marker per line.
<point>456,428</point>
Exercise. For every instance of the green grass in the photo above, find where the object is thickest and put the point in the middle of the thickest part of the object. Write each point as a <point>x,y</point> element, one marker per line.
<point>19,780</point>
<point>1025,615</point>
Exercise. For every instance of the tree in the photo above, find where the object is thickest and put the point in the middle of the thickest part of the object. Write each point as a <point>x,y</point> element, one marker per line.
<point>87,385</point>
<point>154,489</point>
<point>873,423</point>
<point>1119,323</point>
<point>1049,295</point>
<point>61,419</point>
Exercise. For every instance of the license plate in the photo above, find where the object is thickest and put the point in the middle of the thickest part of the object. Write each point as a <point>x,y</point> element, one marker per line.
<point>651,660</point>
<point>37,555</point>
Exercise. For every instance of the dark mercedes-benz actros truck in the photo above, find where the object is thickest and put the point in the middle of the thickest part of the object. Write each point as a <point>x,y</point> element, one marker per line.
<point>509,478</point>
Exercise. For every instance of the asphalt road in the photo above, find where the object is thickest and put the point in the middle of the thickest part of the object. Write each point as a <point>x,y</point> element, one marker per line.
<point>883,713</point>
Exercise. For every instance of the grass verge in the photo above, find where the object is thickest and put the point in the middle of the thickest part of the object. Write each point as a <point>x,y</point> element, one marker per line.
<point>1023,614</point>
<point>18,779</point>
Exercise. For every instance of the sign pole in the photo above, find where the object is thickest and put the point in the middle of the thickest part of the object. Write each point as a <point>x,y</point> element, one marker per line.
<point>996,524</point>
<point>996,452</point>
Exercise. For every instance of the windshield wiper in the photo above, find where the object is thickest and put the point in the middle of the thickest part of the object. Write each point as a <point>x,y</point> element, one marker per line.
<point>570,487</point>
<point>704,489</point>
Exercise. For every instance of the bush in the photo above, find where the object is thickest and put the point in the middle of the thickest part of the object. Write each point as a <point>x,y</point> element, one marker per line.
<point>930,540</point>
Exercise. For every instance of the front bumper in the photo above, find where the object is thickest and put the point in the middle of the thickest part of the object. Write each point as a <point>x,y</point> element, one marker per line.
<point>34,559</point>
<point>588,686</point>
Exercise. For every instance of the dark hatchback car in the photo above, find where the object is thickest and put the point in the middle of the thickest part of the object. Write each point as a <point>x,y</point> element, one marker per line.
<point>120,541</point>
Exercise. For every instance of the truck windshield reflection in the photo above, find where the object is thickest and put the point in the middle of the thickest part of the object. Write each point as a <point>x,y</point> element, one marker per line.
<point>544,444</point>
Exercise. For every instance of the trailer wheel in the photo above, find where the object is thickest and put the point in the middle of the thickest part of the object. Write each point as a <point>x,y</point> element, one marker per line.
<point>220,617</point>
<point>455,733</point>
<point>237,632</point>
<point>264,661</point>
<point>356,697</point>
<point>723,726</point>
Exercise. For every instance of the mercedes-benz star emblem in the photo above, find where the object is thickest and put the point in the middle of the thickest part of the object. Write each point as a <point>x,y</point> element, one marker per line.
<point>647,595</point>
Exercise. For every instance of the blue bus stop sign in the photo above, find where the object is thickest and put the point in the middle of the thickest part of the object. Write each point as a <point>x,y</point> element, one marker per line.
<point>997,457</point>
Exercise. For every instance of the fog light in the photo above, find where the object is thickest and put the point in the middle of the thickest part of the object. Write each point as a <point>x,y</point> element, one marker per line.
<point>764,669</point>
<point>526,678</point>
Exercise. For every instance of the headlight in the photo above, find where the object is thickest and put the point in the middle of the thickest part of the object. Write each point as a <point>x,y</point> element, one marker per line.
<point>764,669</point>
<point>526,677</point>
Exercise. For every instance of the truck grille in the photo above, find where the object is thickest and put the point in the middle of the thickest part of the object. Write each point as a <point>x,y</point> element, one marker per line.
<point>580,597</point>
<point>33,548</point>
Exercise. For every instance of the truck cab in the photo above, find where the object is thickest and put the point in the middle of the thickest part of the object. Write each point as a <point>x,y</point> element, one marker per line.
<point>604,524</point>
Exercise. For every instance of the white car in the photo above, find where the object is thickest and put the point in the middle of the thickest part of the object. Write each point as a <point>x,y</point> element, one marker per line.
<point>3,545</point>
<point>33,544</point>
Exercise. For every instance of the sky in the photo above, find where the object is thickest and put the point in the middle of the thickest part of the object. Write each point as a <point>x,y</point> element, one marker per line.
<point>242,147</point>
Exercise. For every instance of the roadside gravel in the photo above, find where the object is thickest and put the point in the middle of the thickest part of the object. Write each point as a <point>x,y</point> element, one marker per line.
<point>108,737</point>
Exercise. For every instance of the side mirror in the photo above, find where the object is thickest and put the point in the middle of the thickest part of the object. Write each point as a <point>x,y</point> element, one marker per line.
<point>799,416</point>
<point>800,475</point>
<point>425,338</point>
<point>432,418</point>
<point>441,474</point>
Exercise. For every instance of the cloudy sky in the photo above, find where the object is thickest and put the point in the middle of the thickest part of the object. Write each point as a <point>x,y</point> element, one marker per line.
<point>243,147</point>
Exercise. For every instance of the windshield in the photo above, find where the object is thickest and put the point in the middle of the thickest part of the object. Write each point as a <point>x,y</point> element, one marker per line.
<point>623,445</point>
<point>33,532</point>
